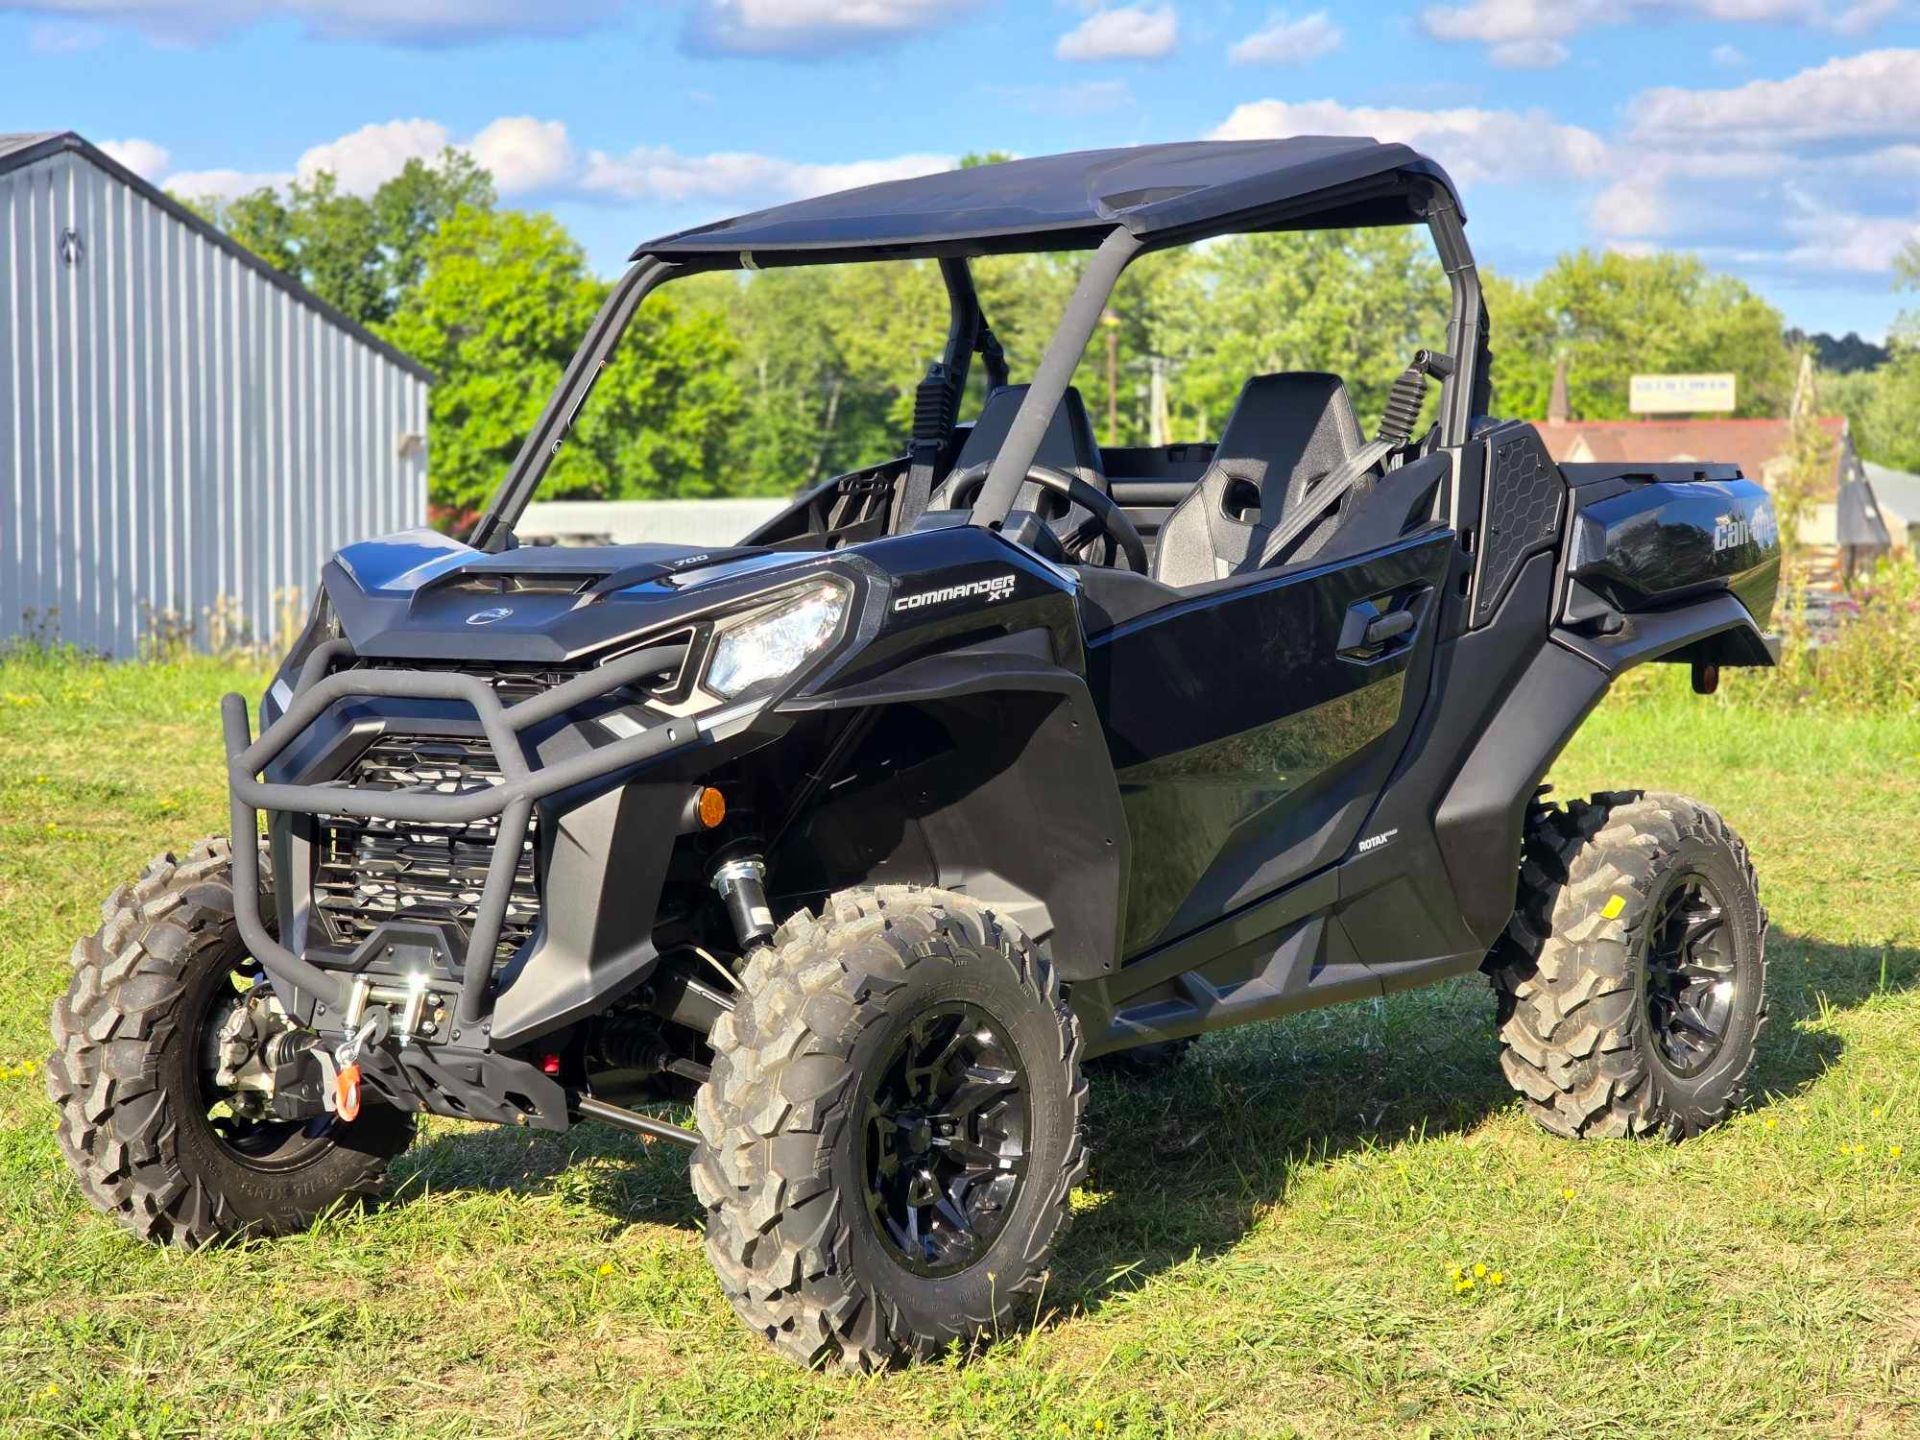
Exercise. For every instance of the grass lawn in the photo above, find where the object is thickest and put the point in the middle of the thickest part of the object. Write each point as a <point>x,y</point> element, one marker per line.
<point>1264,1246</point>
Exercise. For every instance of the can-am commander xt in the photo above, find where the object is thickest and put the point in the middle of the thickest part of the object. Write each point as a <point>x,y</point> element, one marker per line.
<point>865,834</point>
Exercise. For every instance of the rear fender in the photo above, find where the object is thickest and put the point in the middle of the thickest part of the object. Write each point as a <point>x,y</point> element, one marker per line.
<point>982,770</point>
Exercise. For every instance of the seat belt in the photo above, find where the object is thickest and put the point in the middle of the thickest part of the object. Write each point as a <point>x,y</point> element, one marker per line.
<point>1324,496</point>
<point>1402,413</point>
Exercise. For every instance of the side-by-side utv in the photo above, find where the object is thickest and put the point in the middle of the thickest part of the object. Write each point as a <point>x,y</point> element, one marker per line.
<point>866,834</point>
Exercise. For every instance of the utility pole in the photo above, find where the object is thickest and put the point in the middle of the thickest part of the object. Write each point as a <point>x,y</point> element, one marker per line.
<point>1112,322</point>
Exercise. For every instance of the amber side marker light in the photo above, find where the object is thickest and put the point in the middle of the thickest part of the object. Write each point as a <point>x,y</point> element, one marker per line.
<point>711,807</point>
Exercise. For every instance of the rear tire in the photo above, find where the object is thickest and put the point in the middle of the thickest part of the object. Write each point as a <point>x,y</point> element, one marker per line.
<point>903,1059</point>
<point>1631,982</point>
<point>129,1075</point>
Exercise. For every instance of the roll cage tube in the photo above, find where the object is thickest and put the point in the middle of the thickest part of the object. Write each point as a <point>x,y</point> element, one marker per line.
<point>1463,394</point>
<point>967,331</point>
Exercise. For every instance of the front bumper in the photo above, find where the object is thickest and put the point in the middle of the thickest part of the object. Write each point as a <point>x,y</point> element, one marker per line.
<point>322,995</point>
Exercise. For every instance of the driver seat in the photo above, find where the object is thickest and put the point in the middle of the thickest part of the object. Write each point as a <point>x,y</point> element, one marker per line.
<point>1069,444</point>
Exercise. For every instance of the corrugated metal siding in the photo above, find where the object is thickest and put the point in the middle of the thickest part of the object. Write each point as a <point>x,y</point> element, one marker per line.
<point>177,432</point>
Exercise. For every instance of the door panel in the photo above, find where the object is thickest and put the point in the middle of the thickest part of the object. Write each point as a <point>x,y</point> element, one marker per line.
<point>1251,728</point>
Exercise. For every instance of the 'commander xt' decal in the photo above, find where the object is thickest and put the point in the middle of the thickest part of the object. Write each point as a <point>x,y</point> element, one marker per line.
<point>993,588</point>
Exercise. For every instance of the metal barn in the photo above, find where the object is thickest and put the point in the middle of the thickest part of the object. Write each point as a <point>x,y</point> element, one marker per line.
<point>185,432</point>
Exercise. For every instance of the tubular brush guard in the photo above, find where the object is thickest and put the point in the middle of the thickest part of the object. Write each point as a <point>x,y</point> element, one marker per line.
<point>511,801</point>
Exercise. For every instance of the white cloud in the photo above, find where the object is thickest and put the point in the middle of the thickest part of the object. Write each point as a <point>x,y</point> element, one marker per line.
<point>415,22</point>
<point>1728,57</point>
<point>1528,54</point>
<point>363,161</point>
<point>1286,41</point>
<point>1525,34</point>
<point>812,27</point>
<point>1632,207</point>
<point>1875,94</point>
<point>654,172</point>
<point>223,184</point>
<point>1838,240</point>
<point>1534,34</point>
<point>1133,32</point>
<point>61,37</point>
<point>524,154</point>
<point>143,157</point>
<point>1475,145</point>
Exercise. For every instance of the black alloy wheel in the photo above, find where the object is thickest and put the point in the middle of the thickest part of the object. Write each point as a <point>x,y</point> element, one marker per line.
<point>1691,983</point>
<point>946,1139</point>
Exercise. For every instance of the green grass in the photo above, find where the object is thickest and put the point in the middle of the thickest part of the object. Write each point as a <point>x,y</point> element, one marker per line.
<point>1264,1246</point>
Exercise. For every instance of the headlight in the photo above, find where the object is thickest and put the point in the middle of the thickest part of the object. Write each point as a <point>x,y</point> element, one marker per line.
<point>773,643</point>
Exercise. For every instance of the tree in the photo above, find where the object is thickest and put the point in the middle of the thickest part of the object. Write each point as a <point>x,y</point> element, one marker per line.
<point>1882,406</point>
<point>502,301</point>
<point>361,254</point>
<point>1614,315</point>
<point>1357,303</point>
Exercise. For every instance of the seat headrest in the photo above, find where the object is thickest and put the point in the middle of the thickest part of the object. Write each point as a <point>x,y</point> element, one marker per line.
<point>1298,422</point>
<point>1068,445</point>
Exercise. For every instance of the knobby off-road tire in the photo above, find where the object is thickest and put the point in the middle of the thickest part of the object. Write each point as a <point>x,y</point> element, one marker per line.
<point>128,1073</point>
<point>789,1118</point>
<point>1615,916</point>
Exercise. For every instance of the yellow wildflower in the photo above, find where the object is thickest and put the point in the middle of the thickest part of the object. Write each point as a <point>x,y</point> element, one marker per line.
<point>1479,1271</point>
<point>1567,1193</point>
<point>1894,1152</point>
<point>1770,1123</point>
<point>1498,1277</point>
<point>605,1270</point>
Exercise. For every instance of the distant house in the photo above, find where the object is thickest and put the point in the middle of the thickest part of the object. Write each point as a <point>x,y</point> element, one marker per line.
<point>1846,516</point>
<point>185,432</point>
<point>1898,492</point>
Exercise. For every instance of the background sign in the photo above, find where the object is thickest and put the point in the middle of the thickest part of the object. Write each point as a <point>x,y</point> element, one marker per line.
<point>1679,394</point>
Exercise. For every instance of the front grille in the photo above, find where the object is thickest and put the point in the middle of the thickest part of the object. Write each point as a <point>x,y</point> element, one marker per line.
<point>372,871</point>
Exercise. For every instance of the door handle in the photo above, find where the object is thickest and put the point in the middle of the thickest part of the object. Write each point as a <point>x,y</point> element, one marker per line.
<point>1369,630</point>
<point>1390,626</point>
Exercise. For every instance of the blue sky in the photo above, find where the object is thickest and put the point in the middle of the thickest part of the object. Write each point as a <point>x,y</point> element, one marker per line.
<point>1778,138</point>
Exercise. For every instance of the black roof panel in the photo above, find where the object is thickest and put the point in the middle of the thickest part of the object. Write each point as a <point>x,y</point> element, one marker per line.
<point>1160,192</point>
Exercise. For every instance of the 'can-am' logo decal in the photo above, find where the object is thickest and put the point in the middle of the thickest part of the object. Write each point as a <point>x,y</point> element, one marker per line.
<point>993,588</point>
<point>1757,527</point>
<point>487,617</point>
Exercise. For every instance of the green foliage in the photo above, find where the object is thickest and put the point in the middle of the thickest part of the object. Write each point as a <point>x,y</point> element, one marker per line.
<point>1882,408</point>
<point>1615,315</point>
<point>361,254</point>
<point>1882,405</point>
<point>503,301</point>
<point>1867,667</point>
<point>1358,303</point>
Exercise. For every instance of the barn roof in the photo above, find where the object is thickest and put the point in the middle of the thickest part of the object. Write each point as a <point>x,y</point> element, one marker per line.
<point>26,148</point>
<point>1167,193</point>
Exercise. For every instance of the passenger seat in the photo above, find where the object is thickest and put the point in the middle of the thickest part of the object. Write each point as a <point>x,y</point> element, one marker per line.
<point>1287,431</point>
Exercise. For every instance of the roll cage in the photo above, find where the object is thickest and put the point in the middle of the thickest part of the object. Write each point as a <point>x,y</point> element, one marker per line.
<point>1160,197</point>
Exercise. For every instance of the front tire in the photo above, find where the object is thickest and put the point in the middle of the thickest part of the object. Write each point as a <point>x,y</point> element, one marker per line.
<point>129,1074</point>
<point>1631,982</point>
<point>891,1131</point>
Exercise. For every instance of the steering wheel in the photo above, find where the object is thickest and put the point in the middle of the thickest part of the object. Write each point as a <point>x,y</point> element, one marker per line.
<point>1105,520</point>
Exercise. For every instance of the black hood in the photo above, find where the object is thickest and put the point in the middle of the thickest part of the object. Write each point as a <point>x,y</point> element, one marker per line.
<point>422,595</point>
